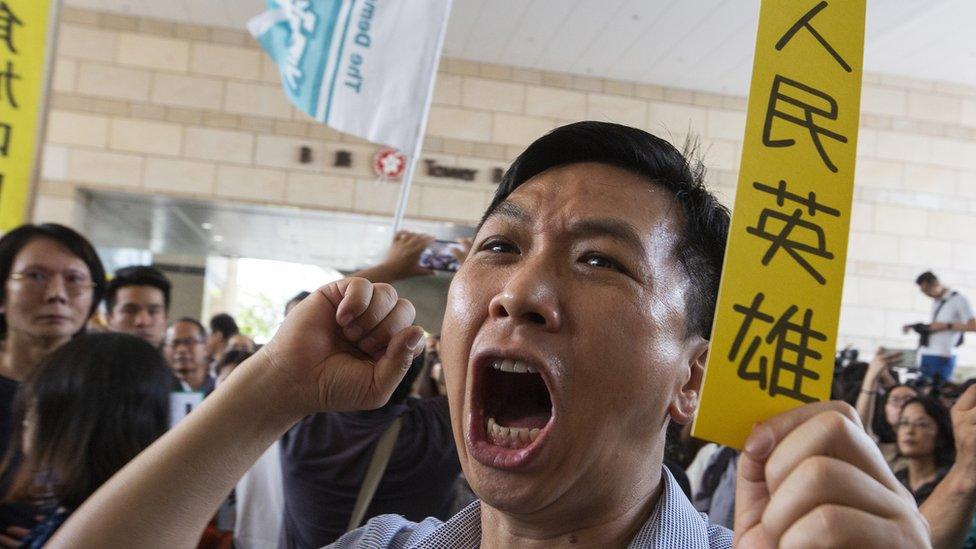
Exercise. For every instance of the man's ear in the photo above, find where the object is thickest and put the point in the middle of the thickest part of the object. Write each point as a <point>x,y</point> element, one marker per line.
<point>684,404</point>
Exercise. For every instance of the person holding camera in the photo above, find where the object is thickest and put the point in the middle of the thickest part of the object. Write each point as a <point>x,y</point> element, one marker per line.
<point>881,387</point>
<point>951,316</point>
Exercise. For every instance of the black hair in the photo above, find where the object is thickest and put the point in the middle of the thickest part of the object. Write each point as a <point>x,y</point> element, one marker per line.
<point>879,424</point>
<point>299,297</point>
<point>701,249</point>
<point>945,442</point>
<point>928,277</point>
<point>195,322</point>
<point>224,324</point>
<point>94,404</point>
<point>137,275</point>
<point>234,357</point>
<point>966,385</point>
<point>13,242</point>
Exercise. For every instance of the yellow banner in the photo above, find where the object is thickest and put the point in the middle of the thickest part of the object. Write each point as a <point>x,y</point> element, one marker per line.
<point>775,330</point>
<point>23,40</point>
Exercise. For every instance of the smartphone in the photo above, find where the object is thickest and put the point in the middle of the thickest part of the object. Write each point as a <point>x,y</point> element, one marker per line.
<point>908,359</point>
<point>438,256</point>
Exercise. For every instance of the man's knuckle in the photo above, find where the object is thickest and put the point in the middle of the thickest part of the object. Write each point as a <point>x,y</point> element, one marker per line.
<point>835,421</point>
<point>407,306</point>
<point>816,469</point>
<point>830,519</point>
<point>385,292</point>
<point>846,410</point>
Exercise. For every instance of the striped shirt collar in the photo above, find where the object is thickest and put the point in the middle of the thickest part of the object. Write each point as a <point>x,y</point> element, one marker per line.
<point>673,523</point>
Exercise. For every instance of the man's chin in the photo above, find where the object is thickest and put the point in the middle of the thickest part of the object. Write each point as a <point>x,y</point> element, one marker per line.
<point>509,492</point>
<point>54,331</point>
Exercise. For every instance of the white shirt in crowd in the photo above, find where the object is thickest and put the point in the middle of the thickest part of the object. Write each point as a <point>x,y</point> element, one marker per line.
<point>956,310</point>
<point>260,501</point>
<point>696,470</point>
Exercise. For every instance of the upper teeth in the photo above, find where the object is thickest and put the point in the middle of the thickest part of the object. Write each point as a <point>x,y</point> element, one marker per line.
<point>515,366</point>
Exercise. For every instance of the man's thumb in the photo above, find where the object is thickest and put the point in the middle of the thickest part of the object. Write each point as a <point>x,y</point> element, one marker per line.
<point>399,354</point>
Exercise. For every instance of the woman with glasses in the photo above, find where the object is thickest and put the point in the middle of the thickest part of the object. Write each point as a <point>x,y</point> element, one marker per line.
<point>925,440</point>
<point>880,386</point>
<point>51,281</point>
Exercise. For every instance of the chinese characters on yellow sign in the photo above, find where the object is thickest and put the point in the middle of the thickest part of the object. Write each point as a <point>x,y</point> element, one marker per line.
<point>776,319</point>
<point>23,37</point>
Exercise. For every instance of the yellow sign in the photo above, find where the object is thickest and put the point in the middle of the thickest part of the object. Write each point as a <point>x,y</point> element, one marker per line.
<point>23,40</point>
<point>775,329</point>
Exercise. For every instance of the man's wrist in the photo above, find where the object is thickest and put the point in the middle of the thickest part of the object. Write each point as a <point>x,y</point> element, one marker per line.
<point>870,384</point>
<point>961,479</point>
<point>260,379</point>
<point>389,271</point>
<point>382,272</point>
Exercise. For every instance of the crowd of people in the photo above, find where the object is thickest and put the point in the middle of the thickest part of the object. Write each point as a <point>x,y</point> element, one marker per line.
<point>911,421</point>
<point>88,367</point>
<point>552,410</point>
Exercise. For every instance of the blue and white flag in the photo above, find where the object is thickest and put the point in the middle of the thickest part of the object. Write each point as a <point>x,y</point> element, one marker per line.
<point>363,67</point>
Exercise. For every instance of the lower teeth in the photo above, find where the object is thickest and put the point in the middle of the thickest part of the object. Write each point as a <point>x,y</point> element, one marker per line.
<point>511,437</point>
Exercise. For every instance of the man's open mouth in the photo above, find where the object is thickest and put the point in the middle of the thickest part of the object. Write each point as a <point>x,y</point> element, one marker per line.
<point>516,402</point>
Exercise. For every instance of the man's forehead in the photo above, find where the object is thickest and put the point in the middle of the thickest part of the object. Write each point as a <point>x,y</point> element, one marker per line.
<point>184,327</point>
<point>140,292</point>
<point>56,256</point>
<point>574,193</point>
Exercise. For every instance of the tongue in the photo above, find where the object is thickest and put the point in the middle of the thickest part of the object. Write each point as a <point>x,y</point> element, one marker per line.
<point>525,422</point>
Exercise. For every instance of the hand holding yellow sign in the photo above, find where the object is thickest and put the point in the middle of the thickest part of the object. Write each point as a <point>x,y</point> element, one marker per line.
<point>775,329</point>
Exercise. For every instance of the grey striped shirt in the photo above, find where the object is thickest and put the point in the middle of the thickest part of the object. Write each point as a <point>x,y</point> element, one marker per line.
<point>674,524</point>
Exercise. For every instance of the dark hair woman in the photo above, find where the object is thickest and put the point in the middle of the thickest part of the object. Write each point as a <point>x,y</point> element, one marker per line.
<point>926,442</point>
<point>87,410</point>
<point>51,281</point>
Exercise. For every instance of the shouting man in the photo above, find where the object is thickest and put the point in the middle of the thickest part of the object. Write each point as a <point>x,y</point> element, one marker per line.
<point>576,329</point>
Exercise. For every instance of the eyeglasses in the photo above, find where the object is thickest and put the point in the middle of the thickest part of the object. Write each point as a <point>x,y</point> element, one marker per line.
<point>900,401</point>
<point>187,341</point>
<point>75,284</point>
<point>921,425</point>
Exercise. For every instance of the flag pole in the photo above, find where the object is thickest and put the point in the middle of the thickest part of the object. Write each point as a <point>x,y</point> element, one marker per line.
<point>418,144</point>
<point>401,206</point>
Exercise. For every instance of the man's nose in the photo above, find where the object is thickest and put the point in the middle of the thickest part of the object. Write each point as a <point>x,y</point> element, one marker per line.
<point>530,296</point>
<point>56,290</point>
<point>143,318</point>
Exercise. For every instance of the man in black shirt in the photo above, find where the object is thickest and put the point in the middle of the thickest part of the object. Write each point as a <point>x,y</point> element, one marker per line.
<point>324,459</point>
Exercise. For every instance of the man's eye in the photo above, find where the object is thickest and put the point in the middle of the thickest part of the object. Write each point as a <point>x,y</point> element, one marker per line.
<point>499,247</point>
<point>601,262</point>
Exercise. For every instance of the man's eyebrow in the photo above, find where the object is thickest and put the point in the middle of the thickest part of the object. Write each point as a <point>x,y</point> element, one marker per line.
<point>599,226</point>
<point>613,228</point>
<point>510,210</point>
